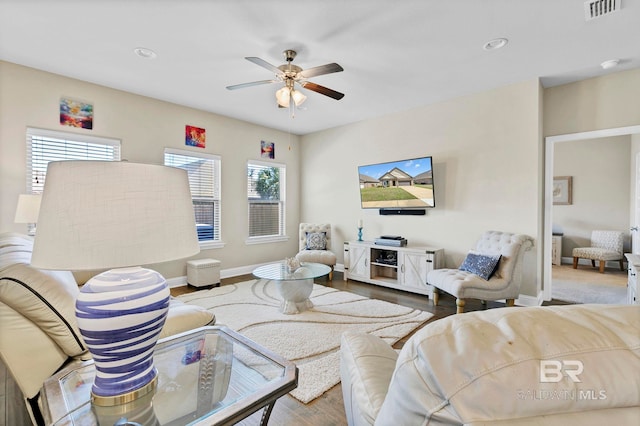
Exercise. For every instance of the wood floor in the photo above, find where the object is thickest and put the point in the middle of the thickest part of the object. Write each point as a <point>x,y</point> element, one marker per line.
<point>328,410</point>
<point>589,274</point>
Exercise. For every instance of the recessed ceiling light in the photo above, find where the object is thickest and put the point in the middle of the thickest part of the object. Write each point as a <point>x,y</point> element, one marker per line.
<point>612,63</point>
<point>143,52</point>
<point>496,43</point>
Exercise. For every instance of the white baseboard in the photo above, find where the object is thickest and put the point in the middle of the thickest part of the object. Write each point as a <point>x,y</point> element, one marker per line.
<point>177,281</point>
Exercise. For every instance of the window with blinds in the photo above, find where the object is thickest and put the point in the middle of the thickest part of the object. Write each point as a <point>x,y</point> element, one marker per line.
<point>44,146</point>
<point>265,193</point>
<point>203,171</point>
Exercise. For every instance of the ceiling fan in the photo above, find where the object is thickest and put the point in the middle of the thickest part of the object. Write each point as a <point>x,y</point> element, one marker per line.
<point>290,74</point>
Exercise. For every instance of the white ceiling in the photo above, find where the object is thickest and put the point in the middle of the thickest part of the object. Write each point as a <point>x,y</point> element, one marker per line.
<point>396,54</point>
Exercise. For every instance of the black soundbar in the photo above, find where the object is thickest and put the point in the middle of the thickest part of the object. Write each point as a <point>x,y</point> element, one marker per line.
<point>403,212</point>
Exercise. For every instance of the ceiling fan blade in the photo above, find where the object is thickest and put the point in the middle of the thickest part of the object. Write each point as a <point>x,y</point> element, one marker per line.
<point>264,64</point>
<point>322,90</point>
<point>253,83</point>
<point>321,70</point>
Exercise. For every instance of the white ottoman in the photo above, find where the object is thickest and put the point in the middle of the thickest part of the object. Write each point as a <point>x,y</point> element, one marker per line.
<point>203,273</point>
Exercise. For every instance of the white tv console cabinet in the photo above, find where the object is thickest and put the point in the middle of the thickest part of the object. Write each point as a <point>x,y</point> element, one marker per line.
<point>402,268</point>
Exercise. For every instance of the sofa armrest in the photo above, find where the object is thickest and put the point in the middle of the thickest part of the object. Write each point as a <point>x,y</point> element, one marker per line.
<point>31,356</point>
<point>366,366</point>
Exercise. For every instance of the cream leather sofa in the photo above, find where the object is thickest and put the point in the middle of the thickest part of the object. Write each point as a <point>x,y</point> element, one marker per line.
<point>560,365</point>
<point>38,332</point>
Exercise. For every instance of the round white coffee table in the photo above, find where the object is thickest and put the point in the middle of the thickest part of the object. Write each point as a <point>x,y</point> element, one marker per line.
<point>294,287</point>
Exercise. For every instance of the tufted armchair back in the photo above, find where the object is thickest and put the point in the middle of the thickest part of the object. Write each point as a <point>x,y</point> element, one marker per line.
<point>608,240</point>
<point>313,227</point>
<point>325,256</point>
<point>510,246</point>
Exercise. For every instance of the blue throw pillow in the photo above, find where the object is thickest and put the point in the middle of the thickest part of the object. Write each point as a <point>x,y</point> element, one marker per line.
<point>483,265</point>
<point>316,240</point>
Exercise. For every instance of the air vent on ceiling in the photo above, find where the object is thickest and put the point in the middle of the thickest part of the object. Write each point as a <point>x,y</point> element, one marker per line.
<point>597,8</point>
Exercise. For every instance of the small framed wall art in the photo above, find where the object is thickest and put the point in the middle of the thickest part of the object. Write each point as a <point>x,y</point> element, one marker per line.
<point>76,113</point>
<point>267,150</point>
<point>562,188</point>
<point>194,136</point>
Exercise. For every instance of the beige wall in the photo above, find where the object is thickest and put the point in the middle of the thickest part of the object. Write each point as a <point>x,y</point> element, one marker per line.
<point>601,174</point>
<point>486,155</point>
<point>145,127</point>
<point>594,104</point>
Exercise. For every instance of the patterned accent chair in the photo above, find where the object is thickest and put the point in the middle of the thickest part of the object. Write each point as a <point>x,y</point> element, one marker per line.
<point>314,243</point>
<point>503,282</point>
<point>605,245</point>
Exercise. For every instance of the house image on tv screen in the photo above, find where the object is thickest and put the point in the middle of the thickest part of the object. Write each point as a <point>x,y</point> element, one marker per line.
<point>400,184</point>
<point>396,177</point>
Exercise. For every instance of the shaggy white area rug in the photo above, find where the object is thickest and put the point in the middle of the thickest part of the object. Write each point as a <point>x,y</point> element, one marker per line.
<point>311,339</point>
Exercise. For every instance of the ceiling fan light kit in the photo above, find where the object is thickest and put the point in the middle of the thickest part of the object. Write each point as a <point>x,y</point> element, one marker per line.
<point>286,94</point>
<point>290,74</point>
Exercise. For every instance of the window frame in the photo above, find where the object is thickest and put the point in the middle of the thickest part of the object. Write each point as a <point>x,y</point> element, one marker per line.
<point>217,182</point>
<point>282,236</point>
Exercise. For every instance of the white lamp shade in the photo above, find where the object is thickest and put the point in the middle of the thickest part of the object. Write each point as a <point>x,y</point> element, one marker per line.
<point>102,214</point>
<point>283,96</point>
<point>28,208</point>
<point>298,97</point>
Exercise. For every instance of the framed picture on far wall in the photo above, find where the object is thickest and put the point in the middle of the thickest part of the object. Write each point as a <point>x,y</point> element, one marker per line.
<point>562,190</point>
<point>267,150</point>
<point>194,136</point>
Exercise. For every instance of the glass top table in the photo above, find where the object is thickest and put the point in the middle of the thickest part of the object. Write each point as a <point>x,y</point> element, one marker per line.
<point>294,286</point>
<point>210,375</point>
<point>279,271</point>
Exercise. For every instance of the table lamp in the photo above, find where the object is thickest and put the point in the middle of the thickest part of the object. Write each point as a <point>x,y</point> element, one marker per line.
<point>97,215</point>
<point>27,211</point>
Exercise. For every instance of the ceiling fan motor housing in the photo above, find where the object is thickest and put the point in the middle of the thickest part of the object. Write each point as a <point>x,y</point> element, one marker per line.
<point>289,55</point>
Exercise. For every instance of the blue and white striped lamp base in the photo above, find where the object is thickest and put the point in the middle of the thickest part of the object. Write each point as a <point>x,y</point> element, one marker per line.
<point>120,314</point>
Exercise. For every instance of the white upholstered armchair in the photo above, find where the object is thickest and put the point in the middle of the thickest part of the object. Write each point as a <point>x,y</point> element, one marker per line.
<point>605,245</point>
<point>314,243</point>
<point>492,271</point>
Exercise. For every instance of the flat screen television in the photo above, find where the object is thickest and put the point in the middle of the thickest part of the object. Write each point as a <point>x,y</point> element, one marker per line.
<point>406,184</point>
